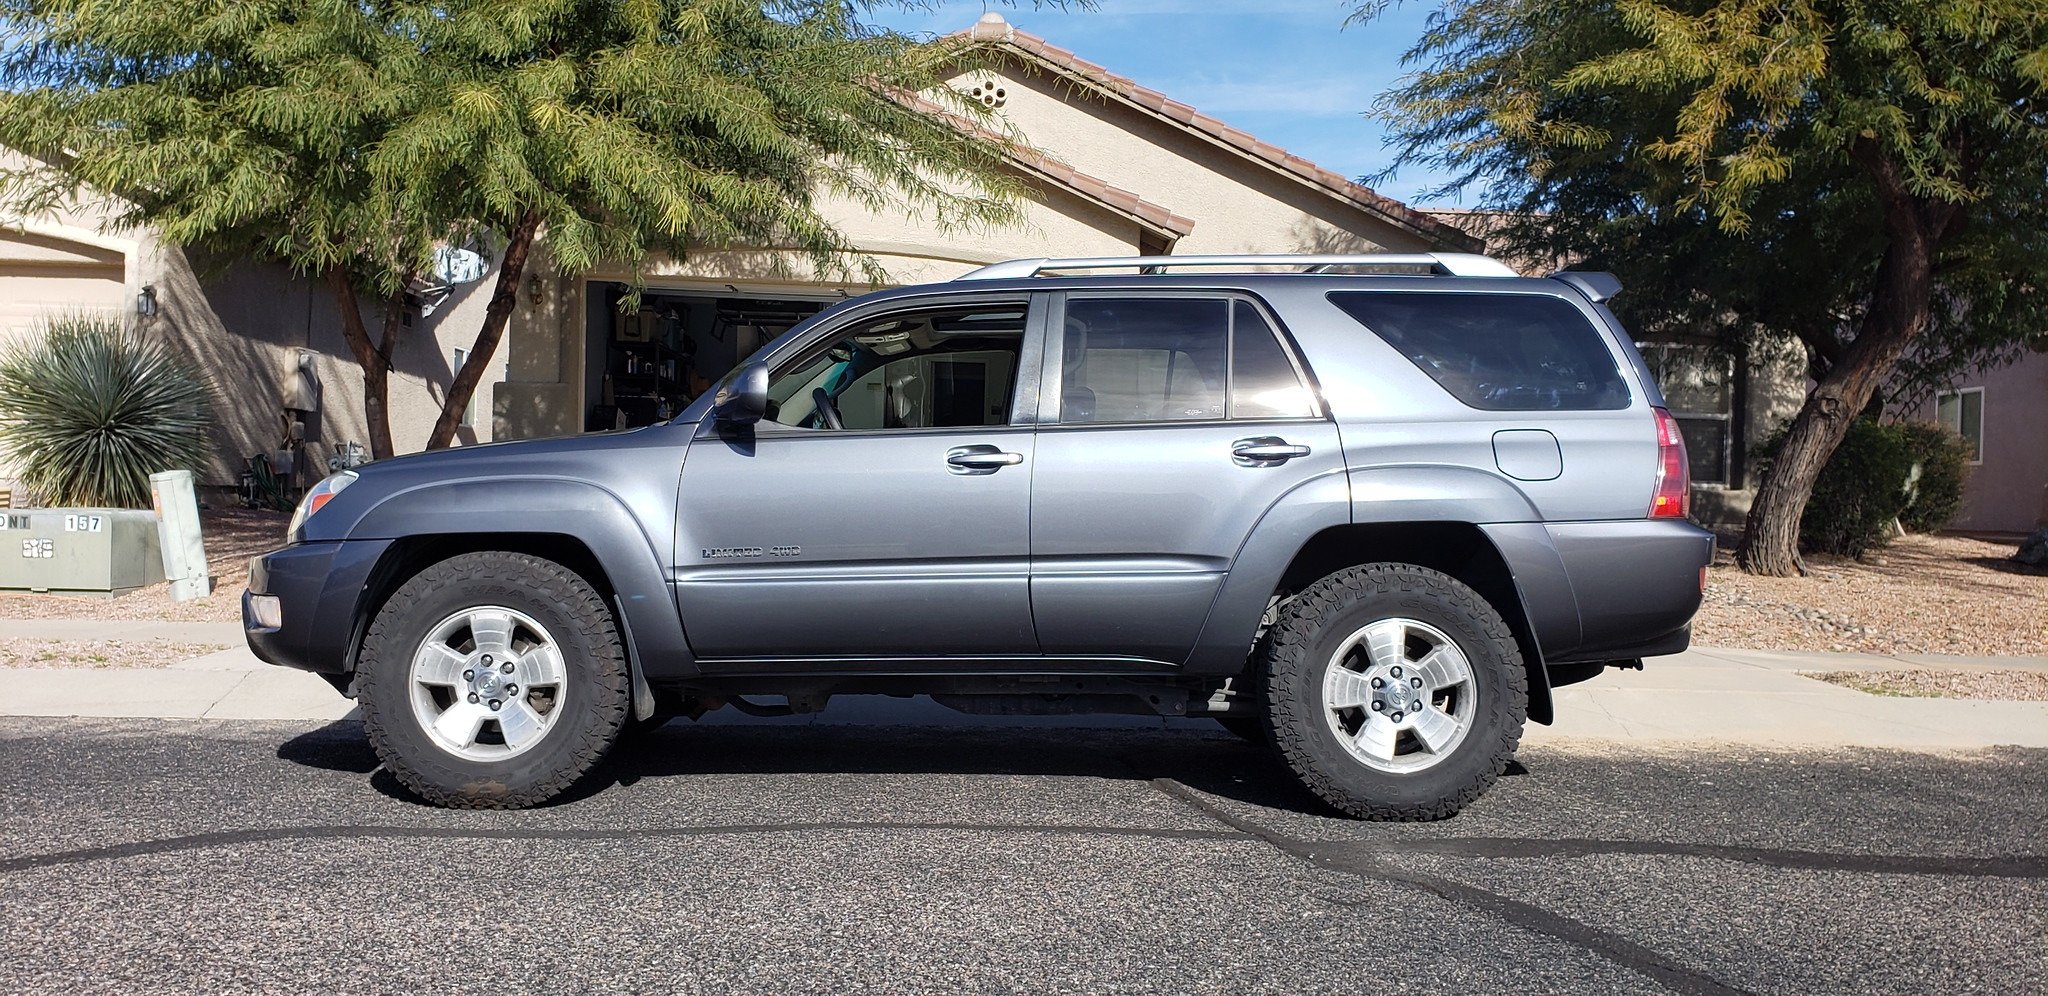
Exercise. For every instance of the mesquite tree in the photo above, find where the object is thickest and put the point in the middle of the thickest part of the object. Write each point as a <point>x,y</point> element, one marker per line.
<point>1869,179</point>
<point>350,139</point>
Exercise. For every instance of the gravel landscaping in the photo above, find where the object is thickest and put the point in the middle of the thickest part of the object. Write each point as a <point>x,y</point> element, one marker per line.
<point>100,653</point>
<point>1921,595</point>
<point>1947,683</point>
<point>232,535</point>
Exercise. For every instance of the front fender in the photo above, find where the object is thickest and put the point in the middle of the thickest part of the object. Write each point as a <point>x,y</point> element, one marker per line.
<point>591,515</point>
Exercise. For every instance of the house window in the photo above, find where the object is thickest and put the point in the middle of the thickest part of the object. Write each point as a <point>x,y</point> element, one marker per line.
<point>469,410</point>
<point>1697,384</point>
<point>1963,413</point>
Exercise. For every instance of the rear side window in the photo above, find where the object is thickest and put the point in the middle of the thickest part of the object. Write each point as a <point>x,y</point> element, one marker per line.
<point>1496,352</point>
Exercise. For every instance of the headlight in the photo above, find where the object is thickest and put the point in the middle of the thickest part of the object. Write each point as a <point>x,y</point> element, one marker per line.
<point>320,494</point>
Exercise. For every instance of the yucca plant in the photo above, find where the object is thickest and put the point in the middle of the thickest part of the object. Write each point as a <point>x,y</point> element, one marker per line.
<point>88,410</point>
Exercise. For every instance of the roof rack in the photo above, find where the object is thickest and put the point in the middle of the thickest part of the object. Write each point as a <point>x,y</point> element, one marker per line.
<point>1455,264</point>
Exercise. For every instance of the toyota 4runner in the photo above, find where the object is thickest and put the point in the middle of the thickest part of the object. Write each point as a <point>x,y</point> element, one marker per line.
<point>1367,509</point>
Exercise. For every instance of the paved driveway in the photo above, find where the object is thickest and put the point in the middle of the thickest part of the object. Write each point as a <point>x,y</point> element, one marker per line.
<point>216,856</point>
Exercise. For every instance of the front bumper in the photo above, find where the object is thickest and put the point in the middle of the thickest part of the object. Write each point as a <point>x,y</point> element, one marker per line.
<point>319,588</point>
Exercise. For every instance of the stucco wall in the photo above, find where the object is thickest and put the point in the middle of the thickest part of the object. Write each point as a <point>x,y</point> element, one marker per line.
<point>246,327</point>
<point>1239,205</point>
<point>2008,492</point>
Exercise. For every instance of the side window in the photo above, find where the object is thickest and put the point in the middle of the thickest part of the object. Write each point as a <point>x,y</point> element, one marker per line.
<point>928,369</point>
<point>1263,383</point>
<point>1496,352</point>
<point>1169,359</point>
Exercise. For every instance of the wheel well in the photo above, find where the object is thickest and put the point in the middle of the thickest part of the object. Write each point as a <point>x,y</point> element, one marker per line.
<point>1458,549</point>
<point>410,555</point>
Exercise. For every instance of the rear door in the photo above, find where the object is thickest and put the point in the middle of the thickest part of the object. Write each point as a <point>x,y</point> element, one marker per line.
<point>1170,423</point>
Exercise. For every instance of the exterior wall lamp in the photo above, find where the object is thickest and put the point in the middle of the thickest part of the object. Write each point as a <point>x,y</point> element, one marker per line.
<point>145,302</point>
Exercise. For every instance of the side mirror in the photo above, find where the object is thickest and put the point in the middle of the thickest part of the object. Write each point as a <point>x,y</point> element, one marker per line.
<point>743,397</point>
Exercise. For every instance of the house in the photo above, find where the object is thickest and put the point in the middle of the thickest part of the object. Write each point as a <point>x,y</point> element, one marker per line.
<point>1113,169</point>
<point>2003,412</point>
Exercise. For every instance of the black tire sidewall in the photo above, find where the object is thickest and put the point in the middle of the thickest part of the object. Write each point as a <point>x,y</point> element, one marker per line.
<point>1346,603</point>
<point>594,689</point>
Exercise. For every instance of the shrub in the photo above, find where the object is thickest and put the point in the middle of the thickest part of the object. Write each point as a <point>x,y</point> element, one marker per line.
<point>88,410</point>
<point>1860,491</point>
<point>1944,461</point>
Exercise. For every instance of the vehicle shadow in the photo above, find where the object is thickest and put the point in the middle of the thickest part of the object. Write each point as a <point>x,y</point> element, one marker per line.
<point>1217,763</point>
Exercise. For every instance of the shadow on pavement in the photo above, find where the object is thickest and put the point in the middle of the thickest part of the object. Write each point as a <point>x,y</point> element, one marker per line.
<point>1217,763</point>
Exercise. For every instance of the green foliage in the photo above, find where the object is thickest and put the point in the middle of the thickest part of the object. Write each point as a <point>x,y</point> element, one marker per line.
<point>88,410</point>
<point>1860,492</point>
<point>1909,472</point>
<point>1943,461</point>
<point>1722,157</point>
<point>329,133</point>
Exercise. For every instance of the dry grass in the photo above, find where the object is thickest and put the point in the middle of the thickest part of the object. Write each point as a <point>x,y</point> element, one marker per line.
<point>1921,595</point>
<point>99,653</point>
<point>233,535</point>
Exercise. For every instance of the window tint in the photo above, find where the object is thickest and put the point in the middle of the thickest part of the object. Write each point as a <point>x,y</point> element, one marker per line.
<point>1174,360</point>
<point>1496,352</point>
<point>1263,383</point>
<point>1144,359</point>
<point>920,370</point>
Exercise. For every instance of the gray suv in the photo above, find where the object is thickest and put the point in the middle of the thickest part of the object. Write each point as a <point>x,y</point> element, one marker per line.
<point>1366,509</point>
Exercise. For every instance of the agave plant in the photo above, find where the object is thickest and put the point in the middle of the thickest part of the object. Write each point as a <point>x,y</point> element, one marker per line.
<point>88,410</point>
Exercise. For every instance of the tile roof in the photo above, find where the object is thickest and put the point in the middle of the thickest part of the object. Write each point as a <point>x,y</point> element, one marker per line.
<point>993,30</point>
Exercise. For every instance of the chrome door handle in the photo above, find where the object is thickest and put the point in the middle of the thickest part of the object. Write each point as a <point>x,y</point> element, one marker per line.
<point>1260,451</point>
<point>980,459</point>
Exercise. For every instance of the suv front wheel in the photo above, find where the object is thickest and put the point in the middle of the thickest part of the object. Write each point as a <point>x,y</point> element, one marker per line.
<point>1394,692</point>
<point>492,681</point>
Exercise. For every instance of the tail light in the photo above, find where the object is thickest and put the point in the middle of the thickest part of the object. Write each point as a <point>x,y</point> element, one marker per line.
<point>1673,497</point>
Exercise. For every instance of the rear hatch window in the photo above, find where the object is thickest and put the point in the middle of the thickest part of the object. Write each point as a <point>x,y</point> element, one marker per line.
<point>1496,352</point>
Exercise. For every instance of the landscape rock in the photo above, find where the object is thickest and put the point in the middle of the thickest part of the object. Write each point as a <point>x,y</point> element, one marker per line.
<point>2034,549</point>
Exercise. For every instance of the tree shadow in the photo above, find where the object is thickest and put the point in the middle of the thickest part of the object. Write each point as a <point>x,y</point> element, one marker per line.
<point>2007,565</point>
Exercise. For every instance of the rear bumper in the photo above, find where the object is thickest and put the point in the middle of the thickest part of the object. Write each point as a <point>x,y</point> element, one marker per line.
<point>1637,584</point>
<point>318,587</point>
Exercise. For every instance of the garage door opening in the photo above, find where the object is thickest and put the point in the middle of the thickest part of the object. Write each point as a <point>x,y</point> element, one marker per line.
<point>644,366</point>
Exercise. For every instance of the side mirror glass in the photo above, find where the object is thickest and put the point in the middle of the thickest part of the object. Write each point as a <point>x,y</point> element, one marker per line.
<point>742,398</point>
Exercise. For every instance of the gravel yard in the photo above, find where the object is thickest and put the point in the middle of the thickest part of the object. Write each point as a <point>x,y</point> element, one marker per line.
<point>100,653</point>
<point>1921,595</point>
<point>233,535</point>
<point>1945,683</point>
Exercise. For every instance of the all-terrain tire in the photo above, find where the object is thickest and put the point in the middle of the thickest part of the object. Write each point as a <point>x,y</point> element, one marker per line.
<point>1298,655</point>
<point>594,692</point>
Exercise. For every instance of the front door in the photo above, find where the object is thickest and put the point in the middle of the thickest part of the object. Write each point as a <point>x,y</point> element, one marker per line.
<point>881,510</point>
<point>1181,419</point>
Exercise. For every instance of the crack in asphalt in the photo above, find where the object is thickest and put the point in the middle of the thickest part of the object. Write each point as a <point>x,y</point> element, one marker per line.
<point>2021,866</point>
<point>201,841</point>
<point>1605,944</point>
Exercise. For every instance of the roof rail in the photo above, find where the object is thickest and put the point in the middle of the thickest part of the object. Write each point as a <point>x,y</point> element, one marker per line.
<point>1455,264</point>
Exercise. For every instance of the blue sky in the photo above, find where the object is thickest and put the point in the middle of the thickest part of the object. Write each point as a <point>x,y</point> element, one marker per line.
<point>1287,71</point>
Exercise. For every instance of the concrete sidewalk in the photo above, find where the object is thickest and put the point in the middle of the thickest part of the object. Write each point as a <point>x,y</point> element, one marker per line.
<point>1707,694</point>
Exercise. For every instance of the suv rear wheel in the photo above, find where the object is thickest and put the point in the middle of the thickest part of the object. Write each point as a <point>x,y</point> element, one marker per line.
<point>492,681</point>
<point>1394,692</point>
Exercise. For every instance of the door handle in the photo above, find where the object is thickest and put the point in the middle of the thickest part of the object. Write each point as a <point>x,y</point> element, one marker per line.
<point>1264,451</point>
<point>980,459</point>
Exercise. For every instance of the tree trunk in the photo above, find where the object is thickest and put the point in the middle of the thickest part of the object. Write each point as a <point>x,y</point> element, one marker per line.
<point>376,364</point>
<point>1900,296</point>
<point>504,297</point>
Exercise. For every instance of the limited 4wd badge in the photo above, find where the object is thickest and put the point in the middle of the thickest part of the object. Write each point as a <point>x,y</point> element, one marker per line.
<point>724,552</point>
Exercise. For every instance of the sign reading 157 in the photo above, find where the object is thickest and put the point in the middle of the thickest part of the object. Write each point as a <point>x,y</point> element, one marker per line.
<point>84,523</point>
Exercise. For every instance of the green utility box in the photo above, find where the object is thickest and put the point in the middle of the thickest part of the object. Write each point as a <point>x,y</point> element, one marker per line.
<point>79,551</point>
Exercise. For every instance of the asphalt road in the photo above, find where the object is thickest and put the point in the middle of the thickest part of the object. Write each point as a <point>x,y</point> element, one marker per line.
<point>157,856</point>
